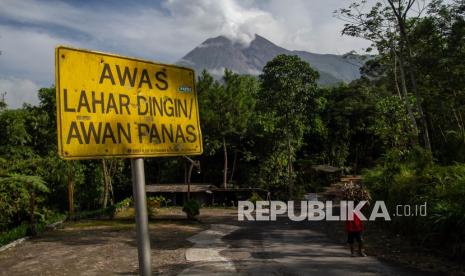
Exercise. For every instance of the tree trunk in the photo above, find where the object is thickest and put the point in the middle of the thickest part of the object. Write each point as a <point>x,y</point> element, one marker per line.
<point>396,81</point>
<point>233,166</point>
<point>405,96</point>
<point>418,97</point>
<point>225,170</point>
<point>112,194</point>
<point>404,41</point>
<point>70,184</point>
<point>32,222</point>
<point>106,184</point>
<point>424,123</point>
<point>290,169</point>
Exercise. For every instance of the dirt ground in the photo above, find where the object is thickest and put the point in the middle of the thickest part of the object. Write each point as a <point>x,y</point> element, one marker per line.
<point>105,247</point>
<point>108,247</point>
<point>396,250</point>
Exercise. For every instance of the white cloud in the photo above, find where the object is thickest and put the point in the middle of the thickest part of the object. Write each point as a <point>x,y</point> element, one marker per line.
<point>149,32</point>
<point>311,26</point>
<point>28,54</point>
<point>19,91</point>
<point>225,17</point>
<point>162,34</point>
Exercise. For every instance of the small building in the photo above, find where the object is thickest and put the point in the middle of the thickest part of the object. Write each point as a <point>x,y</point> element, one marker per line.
<point>177,193</point>
<point>206,194</point>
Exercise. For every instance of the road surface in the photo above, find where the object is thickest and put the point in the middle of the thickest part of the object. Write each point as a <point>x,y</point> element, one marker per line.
<point>277,248</point>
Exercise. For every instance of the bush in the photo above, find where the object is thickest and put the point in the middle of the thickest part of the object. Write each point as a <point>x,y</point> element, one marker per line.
<point>156,202</point>
<point>19,194</point>
<point>124,204</point>
<point>13,234</point>
<point>24,229</point>
<point>191,208</point>
<point>415,180</point>
<point>255,197</point>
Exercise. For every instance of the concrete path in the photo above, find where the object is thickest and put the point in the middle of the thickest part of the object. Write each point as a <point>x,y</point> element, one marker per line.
<point>205,257</point>
<point>277,248</point>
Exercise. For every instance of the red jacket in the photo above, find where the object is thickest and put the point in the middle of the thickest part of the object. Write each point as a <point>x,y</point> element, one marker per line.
<point>354,225</point>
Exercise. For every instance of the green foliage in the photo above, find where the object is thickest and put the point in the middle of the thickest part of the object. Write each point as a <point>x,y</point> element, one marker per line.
<point>108,212</point>
<point>14,200</point>
<point>89,188</point>
<point>15,197</point>
<point>255,197</point>
<point>3,104</point>
<point>288,84</point>
<point>411,89</point>
<point>287,92</point>
<point>13,234</point>
<point>191,208</point>
<point>125,203</point>
<point>453,149</point>
<point>22,230</point>
<point>226,109</point>
<point>14,134</point>
<point>391,123</point>
<point>163,201</point>
<point>411,178</point>
<point>272,174</point>
<point>30,183</point>
<point>155,202</point>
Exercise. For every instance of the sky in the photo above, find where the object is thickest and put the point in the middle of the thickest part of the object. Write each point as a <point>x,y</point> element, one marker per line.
<point>162,31</point>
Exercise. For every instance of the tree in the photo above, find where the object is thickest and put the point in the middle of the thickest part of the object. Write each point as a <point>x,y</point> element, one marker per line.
<point>388,25</point>
<point>3,104</point>
<point>288,84</point>
<point>14,134</point>
<point>110,168</point>
<point>225,111</point>
<point>22,189</point>
<point>438,41</point>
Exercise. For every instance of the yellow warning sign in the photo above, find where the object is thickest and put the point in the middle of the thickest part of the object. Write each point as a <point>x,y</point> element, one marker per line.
<point>113,106</point>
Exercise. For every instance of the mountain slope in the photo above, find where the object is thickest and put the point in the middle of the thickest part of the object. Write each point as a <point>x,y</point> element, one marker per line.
<point>216,54</point>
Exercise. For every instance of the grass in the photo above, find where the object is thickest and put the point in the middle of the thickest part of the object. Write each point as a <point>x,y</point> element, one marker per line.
<point>21,230</point>
<point>13,234</point>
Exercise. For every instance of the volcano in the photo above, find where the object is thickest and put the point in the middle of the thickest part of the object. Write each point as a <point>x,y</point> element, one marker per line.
<point>216,54</point>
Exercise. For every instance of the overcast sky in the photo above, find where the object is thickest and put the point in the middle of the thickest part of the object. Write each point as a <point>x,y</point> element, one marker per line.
<point>162,31</point>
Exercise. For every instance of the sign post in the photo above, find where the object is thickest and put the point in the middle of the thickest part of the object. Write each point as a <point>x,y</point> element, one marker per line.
<point>112,106</point>
<point>142,226</point>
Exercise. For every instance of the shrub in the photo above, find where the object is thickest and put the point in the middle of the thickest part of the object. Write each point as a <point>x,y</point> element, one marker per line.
<point>124,204</point>
<point>191,208</point>
<point>255,197</point>
<point>19,194</point>
<point>153,202</point>
<point>24,229</point>
<point>14,234</point>
<point>415,180</point>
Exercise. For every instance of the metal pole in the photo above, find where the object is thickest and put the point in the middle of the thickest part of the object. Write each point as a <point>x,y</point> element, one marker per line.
<point>142,227</point>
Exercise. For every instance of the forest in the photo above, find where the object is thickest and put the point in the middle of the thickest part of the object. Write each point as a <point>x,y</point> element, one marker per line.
<point>401,126</point>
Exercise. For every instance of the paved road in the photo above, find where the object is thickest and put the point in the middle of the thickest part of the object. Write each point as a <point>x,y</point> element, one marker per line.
<point>278,248</point>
